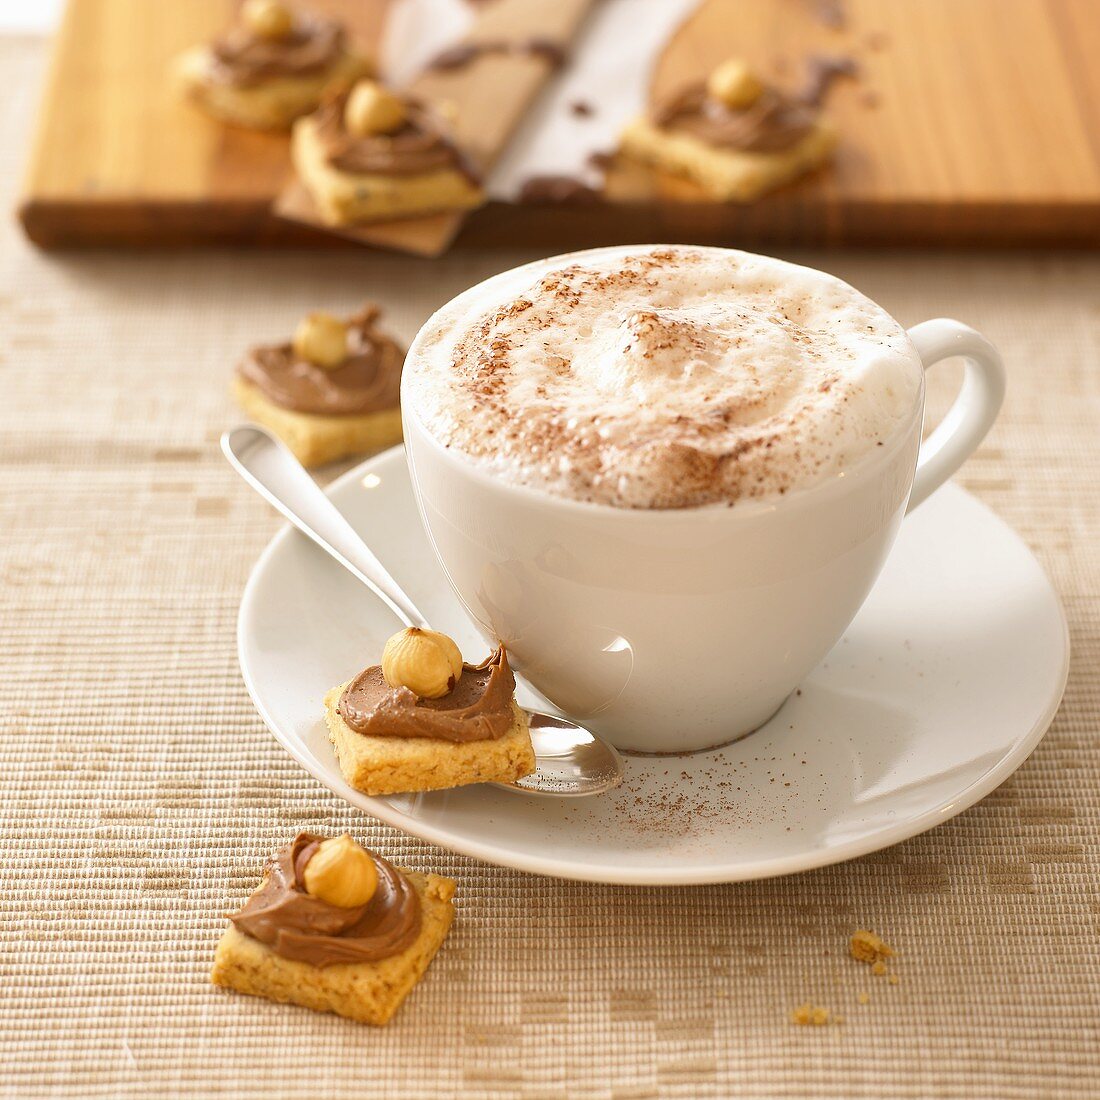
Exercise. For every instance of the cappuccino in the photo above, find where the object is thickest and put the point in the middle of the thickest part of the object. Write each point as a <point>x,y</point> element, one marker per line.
<point>663,377</point>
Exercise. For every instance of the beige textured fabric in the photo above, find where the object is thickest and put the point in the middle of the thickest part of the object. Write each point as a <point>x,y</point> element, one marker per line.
<point>141,793</point>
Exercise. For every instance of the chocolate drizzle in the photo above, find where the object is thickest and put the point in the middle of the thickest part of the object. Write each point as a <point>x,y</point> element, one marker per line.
<point>421,145</point>
<point>298,926</point>
<point>368,380</point>
<point>465,53</point>
<point>557,190</point>
<point>478,708</point>
<point>772,123</point>
<point>831,13</point>
<point>243,59</point>
<point>822,71</point>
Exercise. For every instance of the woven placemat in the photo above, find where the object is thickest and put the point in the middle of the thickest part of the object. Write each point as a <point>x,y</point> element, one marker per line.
<point>141,793</point>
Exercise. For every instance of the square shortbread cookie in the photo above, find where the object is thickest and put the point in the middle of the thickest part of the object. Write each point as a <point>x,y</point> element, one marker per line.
<point>315,438</point>
<point>349,198</point>
<point>728,175</point>
<point>391,765</point>
<point>370,992</point>
<point>273,104</point>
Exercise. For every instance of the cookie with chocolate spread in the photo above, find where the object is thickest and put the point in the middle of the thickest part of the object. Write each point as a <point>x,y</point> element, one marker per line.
<point>335,928</point>
<point>734,136</point>
<point>371,155</point>
<point>331,392</point>
<point>424,720</point>
<point>273,66</point>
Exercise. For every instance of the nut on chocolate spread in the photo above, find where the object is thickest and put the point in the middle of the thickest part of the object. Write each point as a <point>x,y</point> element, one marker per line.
<point>368,380</point>
<point>478,708</point>
<point>298,926</point>
<point>772,123</point>
<point>421,145</point>
<point>243,58</point>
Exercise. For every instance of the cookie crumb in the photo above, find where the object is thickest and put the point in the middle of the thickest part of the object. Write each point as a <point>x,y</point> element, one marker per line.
<point>894,979</point>
<point>879,968</point>
<point>808,1015</point>
<point>866,947</point>
<point>864,998</point>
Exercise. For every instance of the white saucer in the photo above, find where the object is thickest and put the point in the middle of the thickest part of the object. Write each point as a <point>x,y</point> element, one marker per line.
<point>942,686</point>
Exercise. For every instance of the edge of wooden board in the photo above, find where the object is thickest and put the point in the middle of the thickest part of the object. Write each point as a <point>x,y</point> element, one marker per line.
<point>60,225</point>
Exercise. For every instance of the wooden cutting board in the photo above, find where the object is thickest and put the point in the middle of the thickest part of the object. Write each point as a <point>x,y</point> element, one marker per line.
<point>972,121</point>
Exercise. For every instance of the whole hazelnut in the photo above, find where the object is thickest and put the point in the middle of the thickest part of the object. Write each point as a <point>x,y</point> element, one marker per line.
<point>734,84</point>
<point>322,339</point>
<point>425,661</point>
<point>372,109</point>
<point>341,873</point>
<point>267,18</point>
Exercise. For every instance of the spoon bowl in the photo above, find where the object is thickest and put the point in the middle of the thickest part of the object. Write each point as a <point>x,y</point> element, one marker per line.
<point>570,762</point>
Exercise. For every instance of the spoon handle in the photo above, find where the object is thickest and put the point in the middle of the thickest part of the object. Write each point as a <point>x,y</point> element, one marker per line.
<point>269,467</point>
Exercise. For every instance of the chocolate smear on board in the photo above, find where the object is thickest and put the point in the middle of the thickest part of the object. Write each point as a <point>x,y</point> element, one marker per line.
<point>831,13</point>
<point>557,190</point>
<point>822,71</point>
<point>465,53</point>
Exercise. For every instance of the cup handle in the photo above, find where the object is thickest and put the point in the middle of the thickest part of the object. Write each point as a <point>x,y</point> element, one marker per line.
<point>971,416</point>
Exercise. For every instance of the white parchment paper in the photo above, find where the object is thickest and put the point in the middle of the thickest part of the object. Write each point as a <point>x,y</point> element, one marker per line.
<point>608,70</point>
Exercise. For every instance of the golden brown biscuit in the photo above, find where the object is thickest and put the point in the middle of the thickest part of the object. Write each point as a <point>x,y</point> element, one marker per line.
<point>315,438</point>
<point>391,765</point>
<point>727,175</point>
<point>370,992</point>
<point>349,198</point>
<point>273,104</point>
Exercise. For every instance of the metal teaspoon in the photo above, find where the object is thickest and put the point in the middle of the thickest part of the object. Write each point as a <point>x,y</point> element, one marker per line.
<point>570,761</point>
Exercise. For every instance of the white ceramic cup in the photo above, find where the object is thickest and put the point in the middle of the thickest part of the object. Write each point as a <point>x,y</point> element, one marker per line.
<point>678,630</point>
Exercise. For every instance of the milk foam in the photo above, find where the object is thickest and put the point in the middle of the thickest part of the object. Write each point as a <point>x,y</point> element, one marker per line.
<point>663,377</point>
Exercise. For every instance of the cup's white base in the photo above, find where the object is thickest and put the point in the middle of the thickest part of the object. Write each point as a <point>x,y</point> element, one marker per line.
<point>696,751</point>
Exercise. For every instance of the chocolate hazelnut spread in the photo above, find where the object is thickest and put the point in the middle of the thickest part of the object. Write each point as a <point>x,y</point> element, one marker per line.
<point>368,380</point>
<point>772,123</point>
<point>478,708</point>
<point>421,145</point>
<point>242,58</point>
<point>298,926</point>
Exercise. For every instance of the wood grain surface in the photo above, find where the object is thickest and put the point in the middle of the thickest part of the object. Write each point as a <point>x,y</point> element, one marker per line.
<point>972,121</point>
